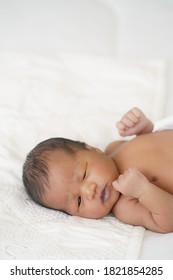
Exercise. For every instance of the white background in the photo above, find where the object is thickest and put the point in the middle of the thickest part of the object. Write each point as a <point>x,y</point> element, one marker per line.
<point>138,29</point>
<point>144,29</point>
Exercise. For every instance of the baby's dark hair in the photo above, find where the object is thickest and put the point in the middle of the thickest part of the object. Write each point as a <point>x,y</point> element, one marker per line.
<point>36,170</point>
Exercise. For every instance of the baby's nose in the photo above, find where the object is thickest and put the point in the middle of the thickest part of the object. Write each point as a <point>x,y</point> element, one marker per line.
<point>88,190</point>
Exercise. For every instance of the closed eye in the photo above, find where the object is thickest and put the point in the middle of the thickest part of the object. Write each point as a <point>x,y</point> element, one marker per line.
<point>79,201</point>
<point>85,173</point>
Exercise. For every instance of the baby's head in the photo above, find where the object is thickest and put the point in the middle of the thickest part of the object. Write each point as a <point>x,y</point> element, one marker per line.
<point>72,177</point>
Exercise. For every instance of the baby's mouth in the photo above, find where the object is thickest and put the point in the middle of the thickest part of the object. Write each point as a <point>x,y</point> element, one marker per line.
<point>105,194</point>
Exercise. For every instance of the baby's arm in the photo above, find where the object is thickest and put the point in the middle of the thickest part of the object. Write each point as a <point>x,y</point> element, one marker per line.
<point>134,122</point>
<point>143,203</point>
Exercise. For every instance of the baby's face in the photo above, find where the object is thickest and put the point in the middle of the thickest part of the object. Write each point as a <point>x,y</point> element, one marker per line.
<point>81,184</point>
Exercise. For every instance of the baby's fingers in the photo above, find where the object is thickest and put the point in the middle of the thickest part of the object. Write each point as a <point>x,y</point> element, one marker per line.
<point>116,185</point>
<point>133,116</point>
<point>125,130</point>
<point>127,121</point>
<point>121,126</point>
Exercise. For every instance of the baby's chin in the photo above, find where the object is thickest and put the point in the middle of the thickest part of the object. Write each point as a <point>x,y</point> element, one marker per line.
<point>115,196</point>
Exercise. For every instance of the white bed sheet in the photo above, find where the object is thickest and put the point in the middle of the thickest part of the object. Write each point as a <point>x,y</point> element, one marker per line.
<point>78,96</point>
<point>156,246</point>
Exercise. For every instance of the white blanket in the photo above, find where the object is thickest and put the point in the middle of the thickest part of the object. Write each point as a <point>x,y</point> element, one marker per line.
<point>30,231</point>
<point>79,97</point>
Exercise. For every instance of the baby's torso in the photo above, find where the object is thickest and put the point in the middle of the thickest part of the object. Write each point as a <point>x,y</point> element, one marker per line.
<point>151,154</point>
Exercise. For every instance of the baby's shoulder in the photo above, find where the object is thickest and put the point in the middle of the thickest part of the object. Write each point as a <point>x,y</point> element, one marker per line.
<point>138,142</point>
<point>132,153</point>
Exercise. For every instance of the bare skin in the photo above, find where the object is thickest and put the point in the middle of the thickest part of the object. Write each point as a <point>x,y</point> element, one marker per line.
<point>81,184</point>
<point>132,179</point>
<point>145,164</point>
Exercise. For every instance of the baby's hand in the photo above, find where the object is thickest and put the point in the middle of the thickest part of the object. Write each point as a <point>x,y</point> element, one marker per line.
<point>134,122</point>
<point>131,183</point>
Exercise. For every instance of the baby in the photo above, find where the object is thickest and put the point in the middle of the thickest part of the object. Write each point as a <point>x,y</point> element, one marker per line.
<point>132,179</point>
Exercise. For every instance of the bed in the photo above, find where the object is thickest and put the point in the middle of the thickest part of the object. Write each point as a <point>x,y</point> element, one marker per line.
<point>76,89</point>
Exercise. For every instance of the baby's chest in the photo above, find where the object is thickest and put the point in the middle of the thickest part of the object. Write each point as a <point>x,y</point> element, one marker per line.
<point>157,166</point>
<point>161,175</point>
